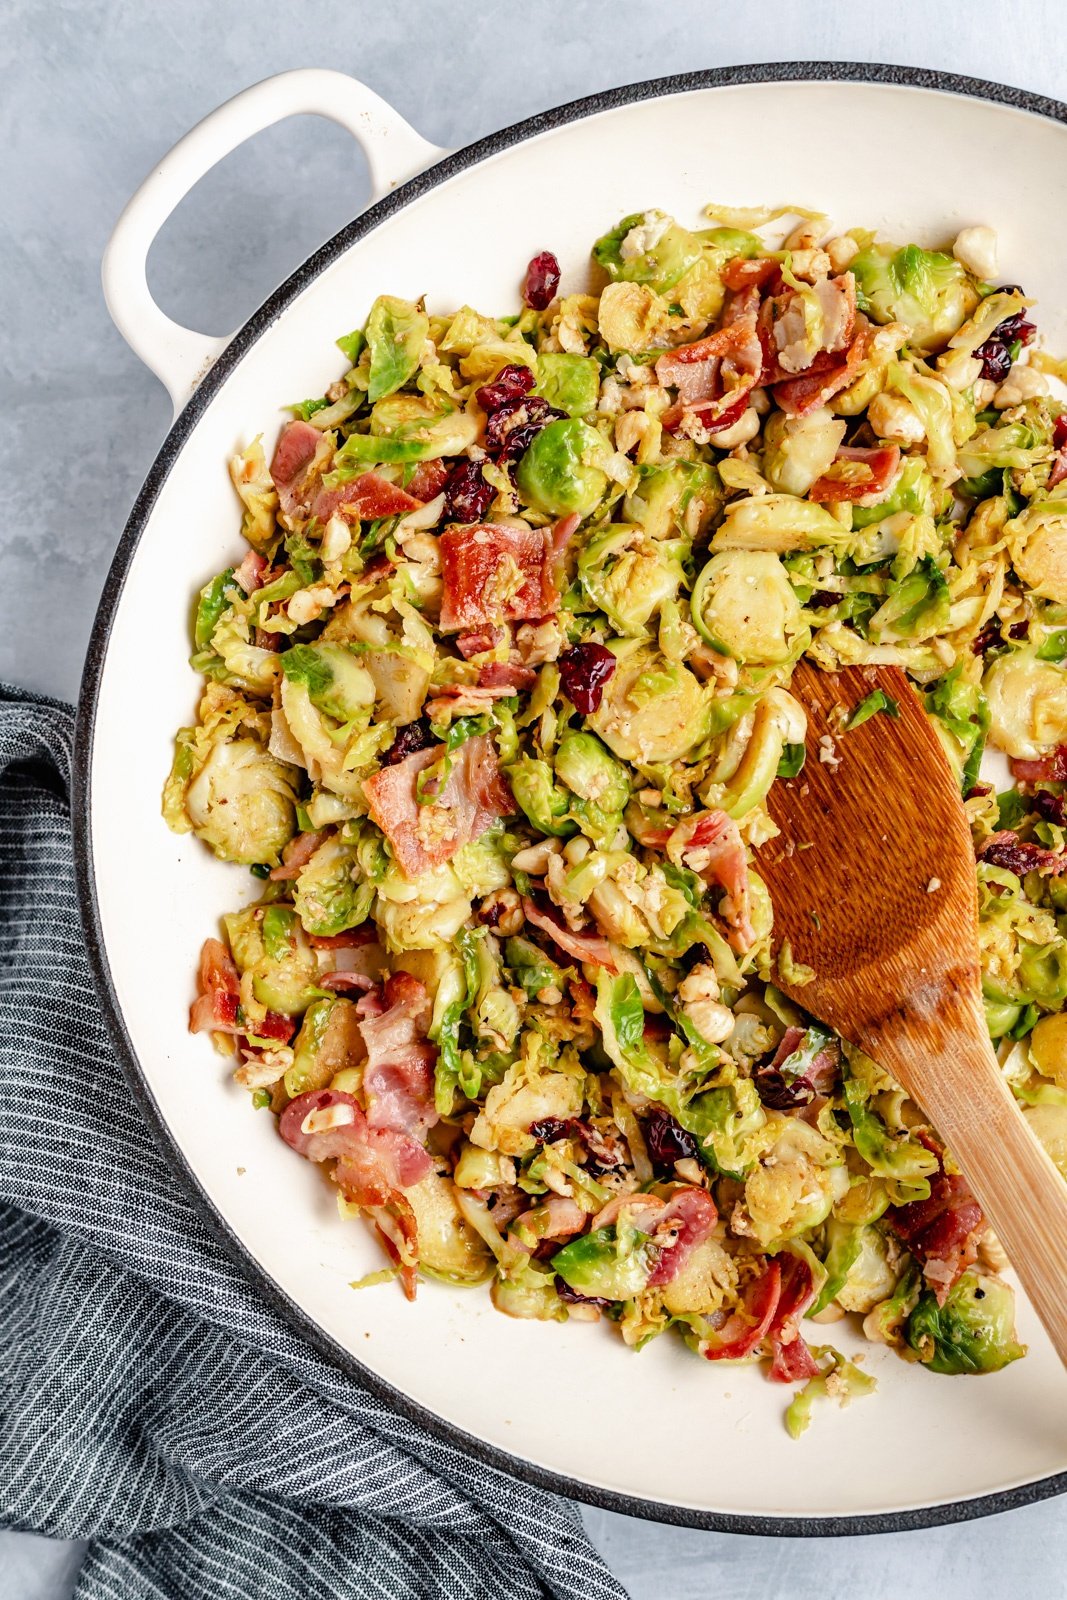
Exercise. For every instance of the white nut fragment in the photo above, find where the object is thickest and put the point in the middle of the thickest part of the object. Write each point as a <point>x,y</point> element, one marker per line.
<point>842,251</point>
<point>307,604</point>
<point>959,371</point>
<point>976,249</point>
<point>502,911</point>
<point>745,428</point>
<point>535,858</point>
<point>336,540</point>
<point>328,1118</point>
<point>1022,383</point>
<point>810,265</point>
<point>893,417</point>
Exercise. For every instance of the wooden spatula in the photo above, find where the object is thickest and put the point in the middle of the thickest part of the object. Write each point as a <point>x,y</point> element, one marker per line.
<point>874,887</point>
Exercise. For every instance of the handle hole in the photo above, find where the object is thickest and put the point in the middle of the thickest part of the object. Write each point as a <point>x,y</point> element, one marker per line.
<point>253,219</point>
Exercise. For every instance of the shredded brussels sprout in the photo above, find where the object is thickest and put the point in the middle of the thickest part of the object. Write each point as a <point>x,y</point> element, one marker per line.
<point>494,697</point>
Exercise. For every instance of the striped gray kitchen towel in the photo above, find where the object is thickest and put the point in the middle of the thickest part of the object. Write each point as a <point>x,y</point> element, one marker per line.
<point>149,1400</point>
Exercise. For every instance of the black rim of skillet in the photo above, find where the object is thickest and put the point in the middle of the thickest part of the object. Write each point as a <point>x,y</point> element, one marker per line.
<point>269,312</point>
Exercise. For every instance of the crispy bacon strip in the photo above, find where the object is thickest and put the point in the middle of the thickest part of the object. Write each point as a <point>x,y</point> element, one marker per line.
<point>691,1215</point>
<point>475,794</point>
<point>371,1166</point>
<point>943,1231</point>
<point>494,574</point>
<point>883,462</point>
<point>398,1079</point>
<point>1043,769</point>
<point>363,500</point>
<point>744,1330</point>
<point>582,946</point>
<point>711,845</point>
<point>1005,849</point>
<point>820,383</point>
<point>793,1361</point>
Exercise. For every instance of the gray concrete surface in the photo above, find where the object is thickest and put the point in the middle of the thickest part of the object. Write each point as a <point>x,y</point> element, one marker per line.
<point>94,92</point>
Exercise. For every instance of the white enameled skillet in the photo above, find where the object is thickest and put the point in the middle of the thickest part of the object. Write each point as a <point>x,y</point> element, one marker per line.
<point>663,1434</point>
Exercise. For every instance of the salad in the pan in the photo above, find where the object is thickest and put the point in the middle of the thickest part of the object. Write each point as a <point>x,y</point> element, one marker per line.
<point>492,704</point>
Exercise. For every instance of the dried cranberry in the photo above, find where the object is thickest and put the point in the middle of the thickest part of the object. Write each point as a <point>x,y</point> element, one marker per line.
<point>522,411</point>
<point>1017,328</point>
<point>782,1093</point>
<point>411,737</point>
<point>989,636</point>
<point>1059,431</point>
<point>1007,850</point>
<point>571,1297</point>
<point>542,281</point>
<point>1018,630</point>
<point>824,597</point>
<point>996,362</point>
<point>467,495</point>
<point>548,1129</point>
<point>584,669</point>
<point>667,1141</point>
<point>1008,288</point>
<point>1050,807</point>
<point>510,383</point>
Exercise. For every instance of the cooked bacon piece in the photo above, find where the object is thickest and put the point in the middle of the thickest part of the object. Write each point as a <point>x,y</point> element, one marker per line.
<point>372,1166</point>
<point>398,1079</point>
<point>687,1220</point>
<point>301,451</point>
<point>429,478</point>
<point>558,1217</point>
<point>715,376</point>
<point>582,946</point>
<point>464,700</point>
<point>250,573</point>
<point>509,675</point>
<point>744,1330</point>
<point>495,574</point>
<point>296,856</point>
<point>1044,769</point>
<point>711,846</point>
<point>475,794</point>
<point>215,1011</point>
<point>793,1361</point>
<point>363,500</point>
<point>743,273</point>
<point>942,1232</point>
<point>1007,850</point>
<point>273,1025</point>
<point>345,978</point>
<point>826,376</point>
<point>351,939</point>
<point>480,641</point>
<point>796,1093</point>
<point>883,462</point>
<point>786,317</point>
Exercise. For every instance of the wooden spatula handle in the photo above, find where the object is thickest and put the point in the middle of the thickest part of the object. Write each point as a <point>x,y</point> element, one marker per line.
<point>1014,1179</point>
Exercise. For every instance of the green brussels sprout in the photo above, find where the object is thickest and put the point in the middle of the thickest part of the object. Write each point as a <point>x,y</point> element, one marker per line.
<point>1000,1015</point>
<point>653,710</point>
<point>917,607</point>
<point>896,1157</point>
<point>706,1280</point>
<point>396,333</point>
<point>629,576</point>
<point>795,1187</point>
<point>329,894</point>
<point>929,292</point>
<point>778,722</point>
<point>729,1125</point>
<point>869,1277</point>
<point>797,450</point>
<point>778,522</point>
<point>250,475</point>
<point>546,805</point>
<point>530,967</point>
<point>591,773</point>
<point>449,1248</point>
<point>556,473</point>
<point>478,1169</point>
<point>974,1331</point>
<point>527,1289</point>
<point>1027,702</point>
<point>284,979</point>
<point>608,1264</point>
<point>241,801</point>
<point>245,936</point>
<point>571,383</point>
<point>405,428</point>
<point>933,404</point>
<point>673,500</point>
<point>1042,973</point>
<point>744,605</point>
<point>215,598</point>
<point>961,718</point>
<point>1037,541</point>
<point>329,1042</point>
<point>648,247</point>
<point>335,680</point>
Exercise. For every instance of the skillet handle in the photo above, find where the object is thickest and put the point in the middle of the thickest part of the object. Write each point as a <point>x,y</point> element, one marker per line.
<point>178,356</point>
